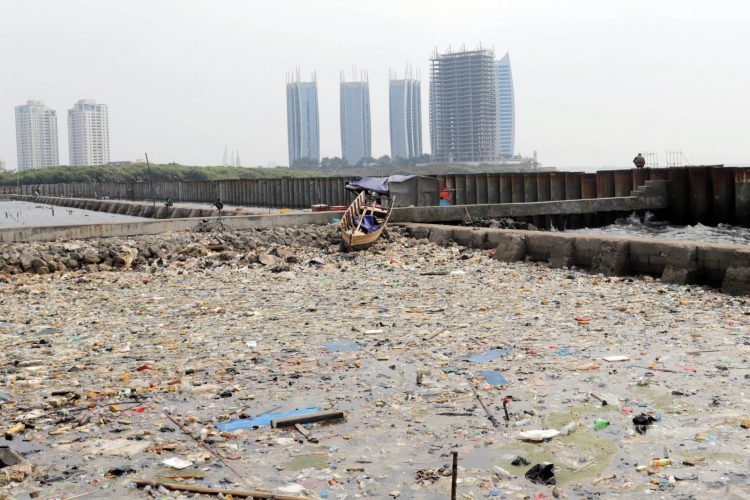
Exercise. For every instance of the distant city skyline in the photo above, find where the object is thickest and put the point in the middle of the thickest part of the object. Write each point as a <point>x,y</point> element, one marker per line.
<point>591,96</point>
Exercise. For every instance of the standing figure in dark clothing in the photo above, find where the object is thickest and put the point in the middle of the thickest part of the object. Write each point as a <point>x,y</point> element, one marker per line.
<point>639,161</point>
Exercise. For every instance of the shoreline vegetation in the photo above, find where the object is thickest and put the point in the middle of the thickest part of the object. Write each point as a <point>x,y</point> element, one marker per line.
<point>176,172</point>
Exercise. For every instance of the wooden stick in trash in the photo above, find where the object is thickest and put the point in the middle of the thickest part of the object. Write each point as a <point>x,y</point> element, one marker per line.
<point>599,398</point>
<point>305,433</point>
<point>490,416</point>
<point>306,419</point>
<point>454,475</point>
<point>196,488</point>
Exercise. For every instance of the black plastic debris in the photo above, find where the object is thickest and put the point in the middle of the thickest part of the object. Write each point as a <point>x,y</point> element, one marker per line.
<point>642,422</point>
<point>119,471</point>
<point>519,461</point>
<point>542,474</point>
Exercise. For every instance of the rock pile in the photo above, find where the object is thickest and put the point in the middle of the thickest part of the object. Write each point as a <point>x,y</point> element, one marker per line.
<point>272,247</point>
<point>501,223</point>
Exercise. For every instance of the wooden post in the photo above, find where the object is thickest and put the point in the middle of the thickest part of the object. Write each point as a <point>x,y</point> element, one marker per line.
<point>454,475</point>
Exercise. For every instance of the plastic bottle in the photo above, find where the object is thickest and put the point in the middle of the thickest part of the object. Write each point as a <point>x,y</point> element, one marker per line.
<point>600,424</point>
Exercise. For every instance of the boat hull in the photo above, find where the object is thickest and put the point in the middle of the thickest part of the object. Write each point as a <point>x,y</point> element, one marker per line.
<point>352,238</point>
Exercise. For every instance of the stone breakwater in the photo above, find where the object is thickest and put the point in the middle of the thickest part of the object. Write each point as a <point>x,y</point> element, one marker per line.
<point>274,247</point>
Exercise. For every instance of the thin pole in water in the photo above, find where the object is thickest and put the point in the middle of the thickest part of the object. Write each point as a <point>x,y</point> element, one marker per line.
<point>454,475</point>
<point>151,184</point>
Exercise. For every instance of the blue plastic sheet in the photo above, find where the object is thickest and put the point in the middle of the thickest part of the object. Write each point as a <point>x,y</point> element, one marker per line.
<point>376,184</point>
<point>262,420</point>
<point>489,355</point>
<point>564,351</point>
<point>369,224</point>
<point>494,377</point>
<point>342,346</point>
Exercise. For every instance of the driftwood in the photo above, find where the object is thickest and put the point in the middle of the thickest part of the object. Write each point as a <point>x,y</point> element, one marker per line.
<point>196,488</point>
<point>307,419</point>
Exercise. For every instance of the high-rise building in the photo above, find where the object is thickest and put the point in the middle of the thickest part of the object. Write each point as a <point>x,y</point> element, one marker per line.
<point>405,118</point>
<point>88,133</point>
<point>356,140</point>
<point>506,109</point>
<point>36,136</point>
<point>303,128</point>
<point>463,106</point>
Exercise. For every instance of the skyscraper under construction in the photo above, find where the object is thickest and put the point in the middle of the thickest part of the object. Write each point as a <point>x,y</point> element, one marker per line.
<point>463,106</point>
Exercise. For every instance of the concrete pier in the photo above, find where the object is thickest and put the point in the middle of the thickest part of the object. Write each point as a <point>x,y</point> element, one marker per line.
<point>697,194</point>
<point>652,196</point>
<point>673,261</point>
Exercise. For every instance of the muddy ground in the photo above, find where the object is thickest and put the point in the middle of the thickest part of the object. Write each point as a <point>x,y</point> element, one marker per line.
<point>104,368</point>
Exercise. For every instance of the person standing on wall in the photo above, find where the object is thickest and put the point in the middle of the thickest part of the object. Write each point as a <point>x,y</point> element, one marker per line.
<point>639,161</point>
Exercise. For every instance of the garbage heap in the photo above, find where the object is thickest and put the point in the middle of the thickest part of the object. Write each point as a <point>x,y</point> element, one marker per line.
<point>266,363</point>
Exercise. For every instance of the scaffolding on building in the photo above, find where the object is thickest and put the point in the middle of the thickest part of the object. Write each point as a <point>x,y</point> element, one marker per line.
<point>462,106</point>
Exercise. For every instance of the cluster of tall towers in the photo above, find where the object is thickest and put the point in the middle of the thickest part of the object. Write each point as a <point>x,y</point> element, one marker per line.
<point>472,112</point>
<point>36,135</point>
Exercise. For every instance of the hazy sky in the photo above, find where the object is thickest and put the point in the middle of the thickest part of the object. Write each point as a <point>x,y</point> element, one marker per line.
<point>595,81</point>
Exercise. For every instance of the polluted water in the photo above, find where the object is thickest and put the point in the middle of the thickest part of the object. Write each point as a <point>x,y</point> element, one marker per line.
<point>267,360</point>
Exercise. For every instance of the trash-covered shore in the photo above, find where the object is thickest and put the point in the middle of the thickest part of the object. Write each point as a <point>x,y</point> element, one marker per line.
<point>176,367</point>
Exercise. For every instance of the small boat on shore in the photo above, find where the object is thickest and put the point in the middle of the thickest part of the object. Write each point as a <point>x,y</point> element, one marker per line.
<point>365,219</point>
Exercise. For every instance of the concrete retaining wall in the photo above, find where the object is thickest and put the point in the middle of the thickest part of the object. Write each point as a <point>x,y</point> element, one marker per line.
<point>705,194</point>
<point>135,209</point>
<point>651,196</point>
<point>682,262</point>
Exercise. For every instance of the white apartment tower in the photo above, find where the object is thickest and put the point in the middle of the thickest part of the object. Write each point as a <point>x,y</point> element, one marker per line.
<point>88,133</point>
<point>36,136</point>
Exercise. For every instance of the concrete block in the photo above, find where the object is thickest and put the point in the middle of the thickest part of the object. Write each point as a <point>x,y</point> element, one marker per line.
<point>540,245</point>
<point>679,275</point>
<point>562,254</point>
<point>418,232</point>
<point>497,236</point>
<point>441,235</point>
<point>612,259</point>
<point>512,249</point>
<point>584,250</point>
<point>684,256</point>
<point>736,281</point>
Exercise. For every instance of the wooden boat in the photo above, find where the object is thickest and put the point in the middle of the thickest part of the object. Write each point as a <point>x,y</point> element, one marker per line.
<point>364,221</point>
